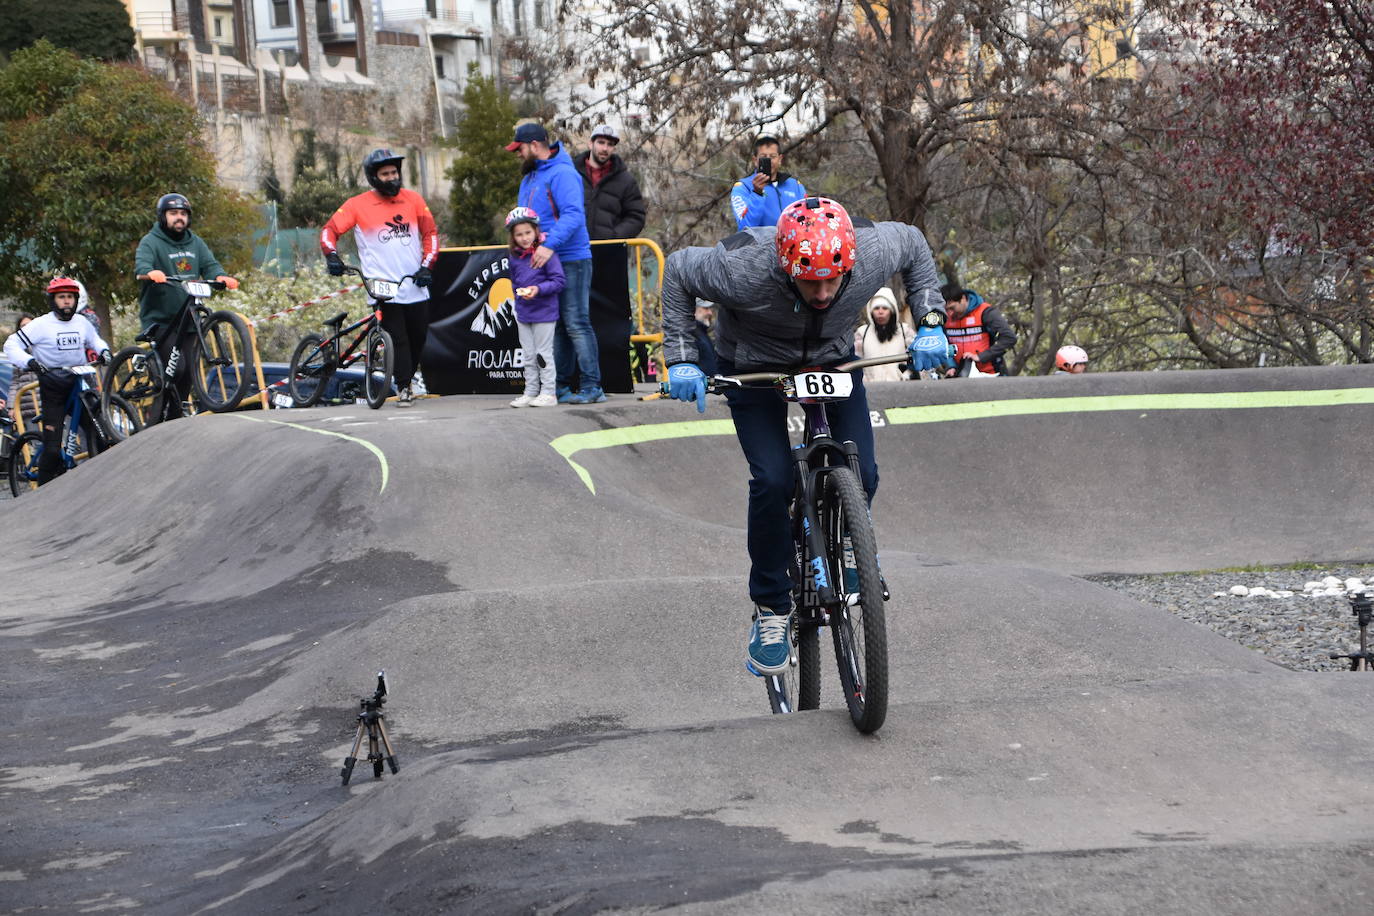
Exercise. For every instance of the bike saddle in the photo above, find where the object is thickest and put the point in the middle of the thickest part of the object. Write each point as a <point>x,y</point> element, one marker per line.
<point>148,336</point>
<point>337,321</point>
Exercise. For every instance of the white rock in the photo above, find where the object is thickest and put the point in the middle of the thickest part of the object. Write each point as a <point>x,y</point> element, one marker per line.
<point>1239,590</point>
<point>1335,592</point>
<point>1329,581</point>
<point>1283,593</point>
<point>1354,585</point>
<point>1311,586</point>
<point>1259,591</point>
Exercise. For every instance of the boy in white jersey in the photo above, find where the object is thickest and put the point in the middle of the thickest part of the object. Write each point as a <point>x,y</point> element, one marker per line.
<point>52,345</point>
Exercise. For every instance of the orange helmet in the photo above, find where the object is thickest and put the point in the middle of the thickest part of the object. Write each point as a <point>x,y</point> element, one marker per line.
<point>815,240</point>
<point>62,285</point>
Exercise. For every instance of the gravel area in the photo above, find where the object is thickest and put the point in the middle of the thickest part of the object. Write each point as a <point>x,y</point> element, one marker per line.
<point>1298,630</point>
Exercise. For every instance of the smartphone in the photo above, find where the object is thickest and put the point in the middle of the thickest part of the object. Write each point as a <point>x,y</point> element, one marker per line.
<point>766,165</point>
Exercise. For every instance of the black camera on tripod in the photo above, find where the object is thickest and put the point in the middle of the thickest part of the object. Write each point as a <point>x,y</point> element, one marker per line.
<point>1362,606</point>
<point>371,722</point>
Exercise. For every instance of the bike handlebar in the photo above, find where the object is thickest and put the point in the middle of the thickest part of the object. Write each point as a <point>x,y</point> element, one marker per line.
<point>213,284</point>
<point>349,268</point>
<point>745,379</point>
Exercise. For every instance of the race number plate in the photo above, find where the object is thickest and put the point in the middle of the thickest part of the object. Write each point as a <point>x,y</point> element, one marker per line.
<point>823,384</point>
<point>283,400</point>
<point>384,289</point>
<point>198,289</point>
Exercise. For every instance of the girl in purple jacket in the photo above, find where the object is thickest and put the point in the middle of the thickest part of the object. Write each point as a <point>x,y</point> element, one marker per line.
<point>536,307</point>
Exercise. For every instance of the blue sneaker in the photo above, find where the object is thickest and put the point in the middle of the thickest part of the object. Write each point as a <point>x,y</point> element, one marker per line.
<point>592,396</point>
<point>769,649</point>
<point>567,396</point>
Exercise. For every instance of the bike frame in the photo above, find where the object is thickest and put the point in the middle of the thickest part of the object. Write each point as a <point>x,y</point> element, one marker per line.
<point>356,348</point>
<point>818,454</point>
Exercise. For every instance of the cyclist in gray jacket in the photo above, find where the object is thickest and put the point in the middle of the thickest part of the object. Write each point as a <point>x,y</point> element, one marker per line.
<point>789,298</point>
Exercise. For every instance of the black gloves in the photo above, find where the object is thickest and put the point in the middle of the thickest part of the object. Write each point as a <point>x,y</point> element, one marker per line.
<point>423,277</point>
<point>33,366</point>
<point>336,265</point>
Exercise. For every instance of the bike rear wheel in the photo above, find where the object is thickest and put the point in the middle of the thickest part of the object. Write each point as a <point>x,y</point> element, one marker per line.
<point>23,463</point>
<point>223,362</point>
<point>381,356</point>
<point>799,686</point>
<point>135,378</point>
<point>312,366</point>
<point>859,624</point>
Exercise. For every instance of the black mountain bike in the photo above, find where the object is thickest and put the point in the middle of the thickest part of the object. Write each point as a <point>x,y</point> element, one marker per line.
<point>220,354</point>
<point>835,577</point>
<point>317,358</point>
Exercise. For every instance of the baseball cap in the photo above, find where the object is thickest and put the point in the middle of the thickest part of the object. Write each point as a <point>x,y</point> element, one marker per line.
<point>605,130</point>
<point>527,133</point>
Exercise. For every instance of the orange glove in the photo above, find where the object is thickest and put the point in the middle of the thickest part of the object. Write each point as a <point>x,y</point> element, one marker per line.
<point>229,282</point>
<point>157,276</point>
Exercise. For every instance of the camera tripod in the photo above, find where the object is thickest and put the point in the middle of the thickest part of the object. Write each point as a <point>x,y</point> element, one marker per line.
<point>371,722</point>
<point>1362,606</point>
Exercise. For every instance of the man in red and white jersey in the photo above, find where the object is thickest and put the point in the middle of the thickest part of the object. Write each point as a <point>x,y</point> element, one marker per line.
<point>396,237</point>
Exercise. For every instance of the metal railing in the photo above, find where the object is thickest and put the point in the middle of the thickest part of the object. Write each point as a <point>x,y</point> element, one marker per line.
<point>420,12</point>
<point>162,22</point>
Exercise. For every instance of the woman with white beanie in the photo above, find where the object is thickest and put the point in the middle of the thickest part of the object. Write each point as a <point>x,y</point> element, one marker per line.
<point>884,334</point>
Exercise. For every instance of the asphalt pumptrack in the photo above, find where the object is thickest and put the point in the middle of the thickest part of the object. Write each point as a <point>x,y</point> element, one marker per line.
<point>557,597</point>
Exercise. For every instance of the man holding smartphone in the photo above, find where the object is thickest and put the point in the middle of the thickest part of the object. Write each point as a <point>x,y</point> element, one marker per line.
<point>759,199</point>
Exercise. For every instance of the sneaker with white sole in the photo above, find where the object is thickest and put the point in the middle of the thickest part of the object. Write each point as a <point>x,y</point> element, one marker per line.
<point>544,400</point>
<point>769,648</point>
<point>405,398</point>
<point>523,401</point>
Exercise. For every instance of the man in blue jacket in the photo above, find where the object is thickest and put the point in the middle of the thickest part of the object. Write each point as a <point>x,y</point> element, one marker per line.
<point>552,187</point>
<point>759,199</point>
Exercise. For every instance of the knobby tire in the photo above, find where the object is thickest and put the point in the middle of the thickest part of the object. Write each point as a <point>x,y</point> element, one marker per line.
<point>23,463</point>
<point>223,362</point>
<point>859,629</point>
<point>140,389</point>
<point>312,366</point>
<point>381,358</point>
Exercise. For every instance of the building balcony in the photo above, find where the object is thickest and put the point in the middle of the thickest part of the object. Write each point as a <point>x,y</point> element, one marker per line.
<point>438,18</point>
<point>168,26</point>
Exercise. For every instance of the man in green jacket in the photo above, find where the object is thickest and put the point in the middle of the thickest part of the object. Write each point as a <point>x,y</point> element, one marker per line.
<point>171,249</point>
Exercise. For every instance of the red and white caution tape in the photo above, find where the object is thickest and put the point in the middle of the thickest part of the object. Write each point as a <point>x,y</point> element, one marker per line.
<point>325,298</point>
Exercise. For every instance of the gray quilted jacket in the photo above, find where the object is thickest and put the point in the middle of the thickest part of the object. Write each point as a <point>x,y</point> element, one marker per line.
<point>761,322</point>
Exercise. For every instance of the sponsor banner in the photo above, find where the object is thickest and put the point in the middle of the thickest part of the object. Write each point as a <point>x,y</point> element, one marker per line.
<point>473,345</point>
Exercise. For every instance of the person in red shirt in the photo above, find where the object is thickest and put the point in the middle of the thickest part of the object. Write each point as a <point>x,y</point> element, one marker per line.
<point>396,237</point>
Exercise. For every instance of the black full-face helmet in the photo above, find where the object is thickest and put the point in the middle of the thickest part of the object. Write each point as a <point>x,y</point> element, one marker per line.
<point>172,201</point>
<point>374,161</point>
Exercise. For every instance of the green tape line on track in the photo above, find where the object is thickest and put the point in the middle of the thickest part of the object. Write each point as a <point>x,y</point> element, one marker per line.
<point>381,458</point>
<point>572,443</point>
<point>1220,400</point>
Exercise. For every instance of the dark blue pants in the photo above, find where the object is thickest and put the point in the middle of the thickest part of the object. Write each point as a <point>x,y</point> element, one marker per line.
<point>760,416</point>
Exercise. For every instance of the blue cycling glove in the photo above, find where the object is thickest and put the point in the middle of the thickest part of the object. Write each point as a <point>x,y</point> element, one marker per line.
<point>930,349</point>
<point>686,382</point>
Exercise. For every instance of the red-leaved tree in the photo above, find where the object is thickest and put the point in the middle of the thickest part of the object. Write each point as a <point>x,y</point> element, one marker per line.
<point>1279,116</point>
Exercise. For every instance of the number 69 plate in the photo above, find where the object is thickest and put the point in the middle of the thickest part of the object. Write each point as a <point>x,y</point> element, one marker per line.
<point>383,289</point>
<point>822,385</point>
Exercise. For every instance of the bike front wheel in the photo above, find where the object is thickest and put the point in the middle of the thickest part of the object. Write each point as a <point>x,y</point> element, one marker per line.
<point>134,378</point>
<point>799,685</point>
<point>859,623</point>
<point>381,357</point>
<point>312,366</point>
<point>223,363</point>
<point>121,419</point>
<point>23,463</point>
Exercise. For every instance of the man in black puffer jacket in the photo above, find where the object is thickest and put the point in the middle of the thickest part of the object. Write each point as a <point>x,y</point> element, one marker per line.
<point>614,207</point>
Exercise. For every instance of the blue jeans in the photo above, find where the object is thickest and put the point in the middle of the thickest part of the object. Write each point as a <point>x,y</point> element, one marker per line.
<point>574,341</point>
<point>760,416</point>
